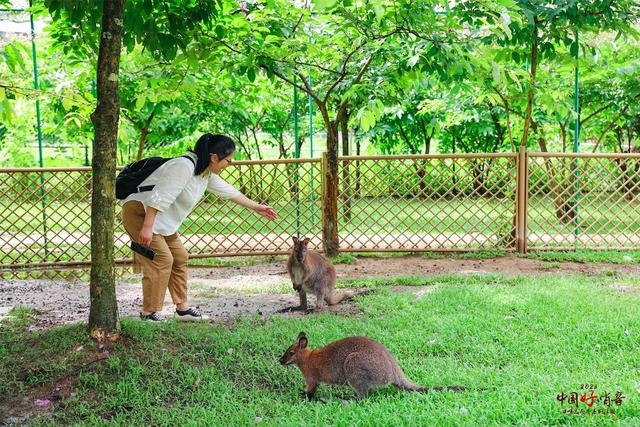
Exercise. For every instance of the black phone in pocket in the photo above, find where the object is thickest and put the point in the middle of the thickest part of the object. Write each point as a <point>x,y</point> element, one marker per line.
<point>143,250</point>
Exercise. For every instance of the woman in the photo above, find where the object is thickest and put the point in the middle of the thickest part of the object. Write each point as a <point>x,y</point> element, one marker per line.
<point>152,218</point>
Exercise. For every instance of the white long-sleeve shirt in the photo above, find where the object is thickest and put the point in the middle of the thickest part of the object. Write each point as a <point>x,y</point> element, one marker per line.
<point>177,191</point>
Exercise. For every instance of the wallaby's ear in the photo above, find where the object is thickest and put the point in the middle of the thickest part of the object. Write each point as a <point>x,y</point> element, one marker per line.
<point>295,240</point>
<point>306,241</point>
<point>302,341</point>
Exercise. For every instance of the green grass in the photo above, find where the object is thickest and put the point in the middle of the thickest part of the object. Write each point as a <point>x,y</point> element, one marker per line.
<point>234,261</point>
<point>257,260</point>
<point>464,255</point>
<point>525,340</point>
<point>585,256</point>
<point>379,215</point>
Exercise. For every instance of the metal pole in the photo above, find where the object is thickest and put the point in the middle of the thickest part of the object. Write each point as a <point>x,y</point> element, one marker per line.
<point>576,147</point>
<point>313,215</point>
<point>37,88</point>
<point>297,153</point>
<point>576,139</point>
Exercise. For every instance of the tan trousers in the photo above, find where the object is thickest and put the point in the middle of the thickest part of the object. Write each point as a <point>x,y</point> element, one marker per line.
<point>168,268</point>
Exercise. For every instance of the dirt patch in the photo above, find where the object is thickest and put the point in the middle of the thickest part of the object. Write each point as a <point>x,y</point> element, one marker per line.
<point>625,288</point>
<point>262,290</point>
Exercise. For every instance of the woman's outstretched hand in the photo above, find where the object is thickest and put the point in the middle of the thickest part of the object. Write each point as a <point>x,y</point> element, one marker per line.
<point>266,211</point>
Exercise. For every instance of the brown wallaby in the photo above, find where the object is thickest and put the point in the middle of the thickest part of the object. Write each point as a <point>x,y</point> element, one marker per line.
<point>311,273</point>
<point>359,362</point>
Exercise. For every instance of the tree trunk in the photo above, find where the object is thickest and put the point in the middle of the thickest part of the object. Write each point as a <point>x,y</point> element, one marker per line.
<point>143,134</point>
<point>103,315</point>
<point>563,136</point>
<point>421,168</point>
<point>611,124</point>
<point>565,209</point>
<point>532,84</point>
<point>478,173</point>
<point>330,205</point>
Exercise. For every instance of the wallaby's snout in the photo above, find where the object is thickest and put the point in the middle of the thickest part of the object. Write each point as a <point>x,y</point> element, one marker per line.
<point>291,355</point>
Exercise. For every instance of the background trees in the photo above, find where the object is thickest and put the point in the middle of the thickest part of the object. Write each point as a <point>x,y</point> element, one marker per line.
<point>399,77</point>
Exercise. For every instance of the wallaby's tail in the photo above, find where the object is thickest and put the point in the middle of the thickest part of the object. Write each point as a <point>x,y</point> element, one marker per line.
<point>337,297</point>
<point>407,385</point>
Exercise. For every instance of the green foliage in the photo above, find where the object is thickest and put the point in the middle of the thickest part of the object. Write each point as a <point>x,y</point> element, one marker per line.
<point>161,26</point>
<point>432,78</point>
<point>14,66</point>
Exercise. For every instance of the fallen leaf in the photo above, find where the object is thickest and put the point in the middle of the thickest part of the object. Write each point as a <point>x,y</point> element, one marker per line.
<point>42,403</point>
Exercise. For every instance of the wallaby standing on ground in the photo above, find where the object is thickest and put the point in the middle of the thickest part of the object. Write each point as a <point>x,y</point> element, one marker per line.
<point>311,273</point>
<point>359,362</point>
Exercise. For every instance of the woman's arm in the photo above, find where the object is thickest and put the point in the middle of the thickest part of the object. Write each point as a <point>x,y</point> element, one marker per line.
<point>264,210</point>
<point>146,233</point>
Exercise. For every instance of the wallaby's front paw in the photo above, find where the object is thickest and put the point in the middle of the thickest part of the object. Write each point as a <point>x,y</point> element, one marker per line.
<point>306,396</point>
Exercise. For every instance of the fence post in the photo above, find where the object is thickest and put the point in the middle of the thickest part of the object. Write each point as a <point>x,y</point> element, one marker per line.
<point>522,176</point>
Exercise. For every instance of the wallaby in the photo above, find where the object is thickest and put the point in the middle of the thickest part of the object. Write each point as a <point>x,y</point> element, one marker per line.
<point>359,362</point>
<point>311,273</point>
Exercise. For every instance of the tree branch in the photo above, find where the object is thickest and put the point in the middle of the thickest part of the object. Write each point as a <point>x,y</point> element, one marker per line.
<point>595,113</point>
<point>343,106</point>
<point>343,71</point>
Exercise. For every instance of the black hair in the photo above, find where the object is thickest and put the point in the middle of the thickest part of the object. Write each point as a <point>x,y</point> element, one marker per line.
<point>208,144</point>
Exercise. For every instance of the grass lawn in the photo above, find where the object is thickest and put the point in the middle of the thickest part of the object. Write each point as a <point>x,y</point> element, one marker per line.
<point>525,340</point>
<point>369,217</point>
<point>377,215</point>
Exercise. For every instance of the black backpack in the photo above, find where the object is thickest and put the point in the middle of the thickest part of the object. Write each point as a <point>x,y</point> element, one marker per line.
<point>131,176</point>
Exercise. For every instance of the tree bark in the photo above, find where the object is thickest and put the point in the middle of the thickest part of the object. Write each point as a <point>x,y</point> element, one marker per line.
<point>563,136</point>
<point>103,314</point>
<point>143,134</point>
<point>565,210</point>
<point>330,208</point>
<point>611,124</point>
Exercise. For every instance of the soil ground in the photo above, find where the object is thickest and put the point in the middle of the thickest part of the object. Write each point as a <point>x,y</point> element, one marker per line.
<point>226,292</point>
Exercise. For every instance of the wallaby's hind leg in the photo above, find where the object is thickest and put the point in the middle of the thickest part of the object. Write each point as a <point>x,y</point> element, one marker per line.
<point>359,374</point>
<point>320,301</point>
